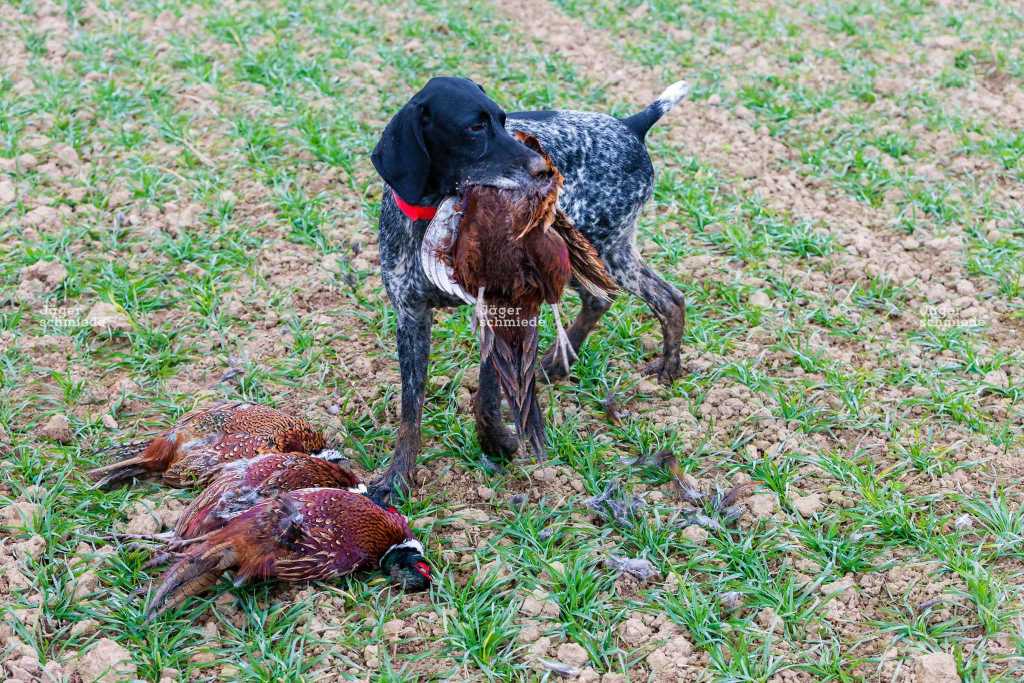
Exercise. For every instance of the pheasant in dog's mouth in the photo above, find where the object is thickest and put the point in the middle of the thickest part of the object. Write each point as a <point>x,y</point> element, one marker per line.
<point>507,252</point>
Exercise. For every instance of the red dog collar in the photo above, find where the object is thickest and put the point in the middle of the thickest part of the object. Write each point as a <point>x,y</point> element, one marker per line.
<point>413,211</point>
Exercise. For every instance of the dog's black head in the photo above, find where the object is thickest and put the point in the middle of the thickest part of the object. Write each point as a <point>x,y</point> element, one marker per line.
<point>450,134</point>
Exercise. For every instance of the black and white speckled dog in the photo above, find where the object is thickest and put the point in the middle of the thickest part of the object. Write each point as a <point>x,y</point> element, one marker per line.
<point>451,135</point>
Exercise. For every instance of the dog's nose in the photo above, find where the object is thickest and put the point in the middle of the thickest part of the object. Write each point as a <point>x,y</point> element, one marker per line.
<point>537,166</point>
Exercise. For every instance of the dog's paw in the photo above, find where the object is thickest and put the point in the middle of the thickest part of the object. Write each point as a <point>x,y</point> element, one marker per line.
<point>392,486</point>
<point>665,368</point>
<point>497,443</point>
<point>552,368</point>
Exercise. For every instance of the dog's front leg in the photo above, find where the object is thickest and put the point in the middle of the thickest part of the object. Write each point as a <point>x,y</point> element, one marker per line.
<point>496,441</point>
<point>413,332</point>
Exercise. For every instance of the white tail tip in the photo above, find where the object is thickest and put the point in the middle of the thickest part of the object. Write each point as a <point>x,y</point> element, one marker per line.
<point>672,94</point>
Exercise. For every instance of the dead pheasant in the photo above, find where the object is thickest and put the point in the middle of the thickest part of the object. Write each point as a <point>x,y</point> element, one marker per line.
<point>192,451</point>
<point>242,484</point>
<point>304,535</point>
<point>508,251</point>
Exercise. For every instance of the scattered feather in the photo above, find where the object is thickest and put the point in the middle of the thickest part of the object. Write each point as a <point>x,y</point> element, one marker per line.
<point>658,459</point>
<point>701,519</point>
<point>731,601</point>
<point>689,494</point>
<point>560,668</point>
<point>731,514</point>
<point>639,568</point>
<point>613,504</point>
<point>733,495</point>
<point>612,409</point>
<point>964,521</point>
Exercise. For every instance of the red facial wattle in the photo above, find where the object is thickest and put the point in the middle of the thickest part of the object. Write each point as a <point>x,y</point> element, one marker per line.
<point>423,568</point>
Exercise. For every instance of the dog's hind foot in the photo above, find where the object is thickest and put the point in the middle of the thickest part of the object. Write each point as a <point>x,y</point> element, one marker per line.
<point>667,368</point>
<point>552,367</point>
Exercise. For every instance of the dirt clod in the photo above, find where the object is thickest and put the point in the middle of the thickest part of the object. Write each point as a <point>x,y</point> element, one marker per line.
<point>808,505</point>
<point>936,667</point>
<point>20,513</point>
<point>50,273</point>
<point>696,534</point>
<point>106,662</point>
<point>572,654</point>
<point>57,428</point>
<point>106,316</point>
<point>7,192</point>
<point>634,632</point>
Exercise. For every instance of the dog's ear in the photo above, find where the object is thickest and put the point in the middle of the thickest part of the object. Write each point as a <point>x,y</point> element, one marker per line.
<point>401,156</point>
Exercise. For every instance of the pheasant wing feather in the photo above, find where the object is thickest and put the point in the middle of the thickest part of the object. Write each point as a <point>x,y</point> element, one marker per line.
<point>200,464</point>
<point>438,239</point>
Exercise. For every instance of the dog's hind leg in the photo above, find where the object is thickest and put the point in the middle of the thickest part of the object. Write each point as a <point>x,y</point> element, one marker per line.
<point>667,302</point>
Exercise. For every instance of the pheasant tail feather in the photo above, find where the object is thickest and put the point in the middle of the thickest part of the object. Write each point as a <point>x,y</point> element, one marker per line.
<point>152,456</point>
<point>587,267</point>
<point>514,364</point>
<point>199,569</point>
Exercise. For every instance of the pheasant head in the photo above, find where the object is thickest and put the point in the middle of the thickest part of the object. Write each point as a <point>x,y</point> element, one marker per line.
<point>405,565</point>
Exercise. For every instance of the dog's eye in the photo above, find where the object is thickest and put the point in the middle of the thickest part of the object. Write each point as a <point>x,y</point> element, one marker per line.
<point>476,127</point>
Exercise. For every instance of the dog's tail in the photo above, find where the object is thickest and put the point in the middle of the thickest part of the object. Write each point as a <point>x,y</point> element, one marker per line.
<point>641,122</point>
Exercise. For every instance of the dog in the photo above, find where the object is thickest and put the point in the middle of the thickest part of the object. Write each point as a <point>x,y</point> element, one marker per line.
<point>450,135</point>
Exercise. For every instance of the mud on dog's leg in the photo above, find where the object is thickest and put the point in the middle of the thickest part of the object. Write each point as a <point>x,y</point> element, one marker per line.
<point>413,332</point>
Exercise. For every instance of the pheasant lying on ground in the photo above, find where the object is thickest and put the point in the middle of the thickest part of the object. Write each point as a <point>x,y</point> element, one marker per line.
<point>304,535</point>
<point>508,251</point>
<point>192,451</point>
<point>241,485</point>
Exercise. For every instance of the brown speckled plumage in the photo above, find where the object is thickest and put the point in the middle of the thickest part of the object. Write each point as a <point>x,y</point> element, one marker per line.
<point>242,484</point>
<point>190,453</point>
<point>303,535</point>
